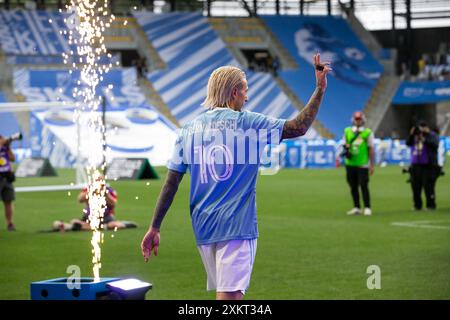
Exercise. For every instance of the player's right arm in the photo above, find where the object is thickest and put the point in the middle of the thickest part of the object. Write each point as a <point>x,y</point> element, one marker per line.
<point>151,239</point>
<point>303,121</point>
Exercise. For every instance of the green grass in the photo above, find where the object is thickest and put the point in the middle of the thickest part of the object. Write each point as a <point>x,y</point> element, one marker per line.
<point>308,248</point>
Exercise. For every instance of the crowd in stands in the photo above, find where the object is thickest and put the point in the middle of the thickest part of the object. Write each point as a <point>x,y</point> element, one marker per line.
<point>263,62</point>
<point>430,66</point>
<point>434,67</point>
<point>141,66</point>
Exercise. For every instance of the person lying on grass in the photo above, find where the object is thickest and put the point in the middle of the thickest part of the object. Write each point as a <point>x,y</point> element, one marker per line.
<point>109,221</point>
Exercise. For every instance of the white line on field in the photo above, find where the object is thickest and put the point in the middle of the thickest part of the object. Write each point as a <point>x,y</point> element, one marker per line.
<point>421,224</point>
<point>50,188</point>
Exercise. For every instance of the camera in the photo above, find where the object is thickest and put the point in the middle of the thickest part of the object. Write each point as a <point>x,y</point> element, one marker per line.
<point>346,152</point>
<point>406,170</point>
<point>15,137</point>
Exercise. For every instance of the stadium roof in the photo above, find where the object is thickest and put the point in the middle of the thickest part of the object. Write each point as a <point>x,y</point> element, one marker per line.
<point>374,14</point>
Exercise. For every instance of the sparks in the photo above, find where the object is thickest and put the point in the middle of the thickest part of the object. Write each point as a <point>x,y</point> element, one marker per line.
<point>86,21</point>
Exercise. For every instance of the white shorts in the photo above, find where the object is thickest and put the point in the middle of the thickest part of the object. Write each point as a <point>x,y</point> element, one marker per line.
<point>228,264</point>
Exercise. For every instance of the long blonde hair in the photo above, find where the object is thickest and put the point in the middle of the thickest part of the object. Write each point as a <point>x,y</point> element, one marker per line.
<point>221,84</point>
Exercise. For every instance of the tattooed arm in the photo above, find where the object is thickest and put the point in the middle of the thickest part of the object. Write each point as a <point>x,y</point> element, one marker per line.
<point>151,239</point>
<point>301,123</point>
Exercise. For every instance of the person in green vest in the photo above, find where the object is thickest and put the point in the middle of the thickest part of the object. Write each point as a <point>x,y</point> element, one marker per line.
<point>359,162</point>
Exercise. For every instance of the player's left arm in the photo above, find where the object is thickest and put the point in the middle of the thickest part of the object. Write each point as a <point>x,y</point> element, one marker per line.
<point>303,121</point>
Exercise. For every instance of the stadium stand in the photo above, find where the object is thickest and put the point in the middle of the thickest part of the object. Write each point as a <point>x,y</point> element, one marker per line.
<point>37,37</point>
<point>33,36</point>
<point>355,70</point>
<point>8,122</point>
<point>192,50</point>
<point>134,129</point>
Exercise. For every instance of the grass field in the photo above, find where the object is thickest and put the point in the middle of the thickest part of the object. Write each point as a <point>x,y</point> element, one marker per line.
<point>308,247</point>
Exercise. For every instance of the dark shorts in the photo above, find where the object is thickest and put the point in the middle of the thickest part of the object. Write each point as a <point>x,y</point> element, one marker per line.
<point>7,190</point>
<point>357,175</point>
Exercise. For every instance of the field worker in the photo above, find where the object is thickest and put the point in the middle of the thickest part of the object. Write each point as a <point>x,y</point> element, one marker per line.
<point>359,162</point>
<point>222,149</point>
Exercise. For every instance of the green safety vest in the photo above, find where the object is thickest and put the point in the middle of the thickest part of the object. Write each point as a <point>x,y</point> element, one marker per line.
<point>359,150</point>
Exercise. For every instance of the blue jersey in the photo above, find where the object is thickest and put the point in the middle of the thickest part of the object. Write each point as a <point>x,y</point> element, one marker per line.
<point>222,150</point>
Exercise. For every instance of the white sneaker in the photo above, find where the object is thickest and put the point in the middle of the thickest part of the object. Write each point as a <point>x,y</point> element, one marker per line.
<point>354,211</point>
<point>367,212</point>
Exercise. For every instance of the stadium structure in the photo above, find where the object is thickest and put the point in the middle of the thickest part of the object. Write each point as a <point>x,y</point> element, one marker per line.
<point>390,60</point>
<point>164,51</point>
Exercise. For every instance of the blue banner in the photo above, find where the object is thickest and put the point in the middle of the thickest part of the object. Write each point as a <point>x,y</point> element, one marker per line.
<point>422,92</point>
<point>321,154</point>
<point>58,59</point>
<point>293,154</point>
<point>118,86</point>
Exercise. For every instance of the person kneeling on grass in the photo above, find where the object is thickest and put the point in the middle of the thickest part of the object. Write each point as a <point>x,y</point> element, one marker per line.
<point>109,221</point>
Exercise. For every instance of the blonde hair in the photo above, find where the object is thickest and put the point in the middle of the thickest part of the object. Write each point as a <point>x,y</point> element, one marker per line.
<point>221,84</point>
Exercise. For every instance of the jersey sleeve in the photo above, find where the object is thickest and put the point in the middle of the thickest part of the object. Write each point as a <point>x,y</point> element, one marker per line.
<point>177,162</point>
<point>260,121</point>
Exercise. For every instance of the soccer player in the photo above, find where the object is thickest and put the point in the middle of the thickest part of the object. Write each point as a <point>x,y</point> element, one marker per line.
<point>221,148</point>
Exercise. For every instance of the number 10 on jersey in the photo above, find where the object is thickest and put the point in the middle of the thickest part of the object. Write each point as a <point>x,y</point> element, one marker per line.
<point>207,159</point>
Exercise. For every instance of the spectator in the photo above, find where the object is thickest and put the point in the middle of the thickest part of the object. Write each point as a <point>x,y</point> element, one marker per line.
<point>275,66</point>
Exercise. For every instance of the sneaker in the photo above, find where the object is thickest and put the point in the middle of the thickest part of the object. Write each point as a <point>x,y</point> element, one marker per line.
<point>129,224</point>
<point>367,212</point>
<point>354,211</point>
<point>11,227</point>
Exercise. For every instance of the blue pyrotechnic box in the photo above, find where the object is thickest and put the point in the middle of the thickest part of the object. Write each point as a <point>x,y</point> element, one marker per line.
<point>70,289</point>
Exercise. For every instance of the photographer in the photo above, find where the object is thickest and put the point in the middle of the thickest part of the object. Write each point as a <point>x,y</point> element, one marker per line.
<point>109,215</point>
<point>359,161</point>
<point>424,145</point>
<point>6,179</point>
